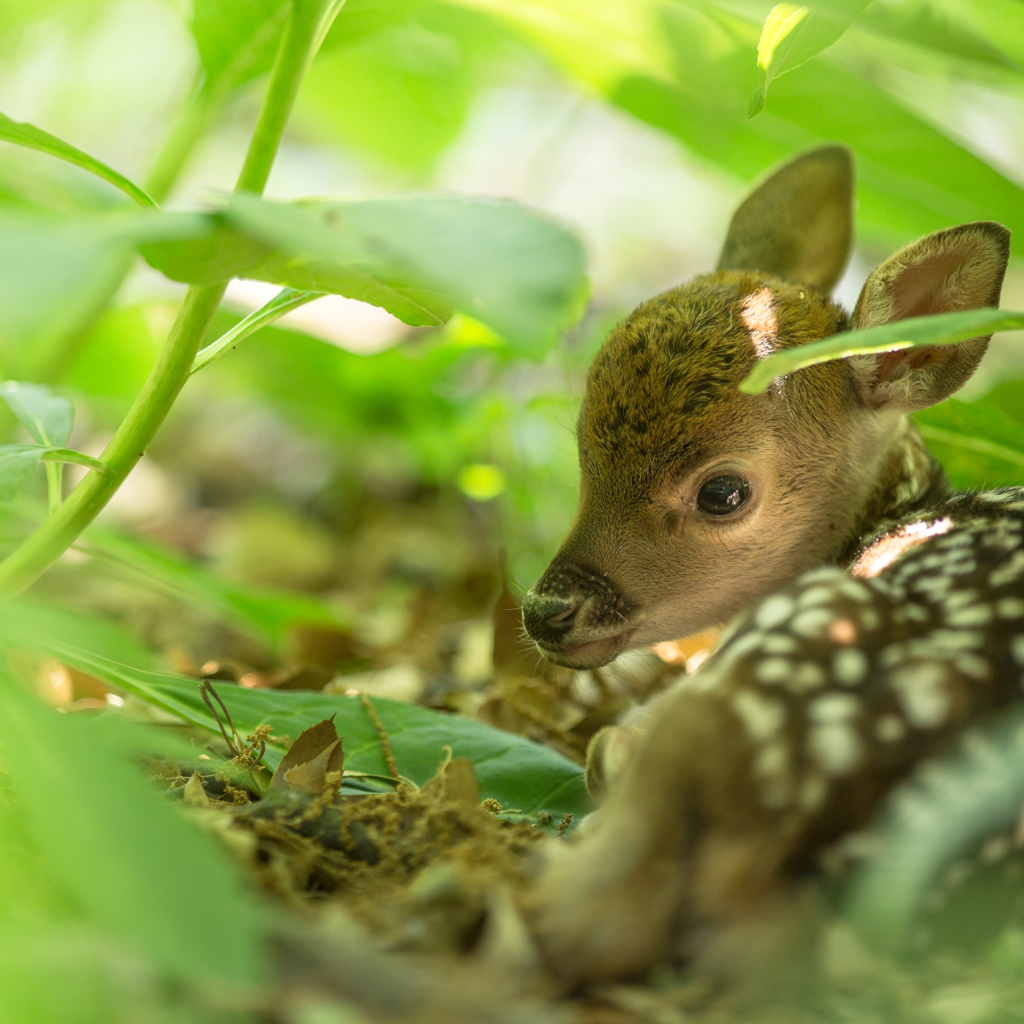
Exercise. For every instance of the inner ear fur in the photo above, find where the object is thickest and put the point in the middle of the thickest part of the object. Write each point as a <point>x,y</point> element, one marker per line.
<point>798,224</point>
<point>956,269</point>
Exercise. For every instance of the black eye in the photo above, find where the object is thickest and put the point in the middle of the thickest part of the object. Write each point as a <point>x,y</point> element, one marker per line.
<point>723,494</point>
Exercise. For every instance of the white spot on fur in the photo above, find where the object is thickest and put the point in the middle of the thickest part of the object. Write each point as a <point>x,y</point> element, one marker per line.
<point>1009,572</point>
<point>815,596</point>
<point>774,611</point>
<point>779,643</point>
<point>849,666</point>
<point>761,716</point>
<point>833,707</point>
<point>923,694</point>
<point>972,665</point>
<point>975,615</point>
<point>890,728</point>
<point>1017,649</point>
<point>835,746</point>
<point>773,670</point>
<point>813,792</point>
<point>806,678</point>
<point>1010,608</point>
<point>813,623</point>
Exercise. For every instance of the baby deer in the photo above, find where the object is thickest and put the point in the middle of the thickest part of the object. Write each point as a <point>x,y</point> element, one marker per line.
<point>883,612</point>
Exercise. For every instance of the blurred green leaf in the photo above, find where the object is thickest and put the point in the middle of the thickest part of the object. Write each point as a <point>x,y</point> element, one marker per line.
<point>940,329</point>
<point>793,34</point>
<point>520,774</point>
<point>921,24</point>
<point>977,444</point>
<point>237,39</point>
<point>16,464</point>
<point>125,857</point>
<point>933,819</point>
<point>420,258</point>
<point>46,416</point>
<point>28,135</point>
<point>54,274</point>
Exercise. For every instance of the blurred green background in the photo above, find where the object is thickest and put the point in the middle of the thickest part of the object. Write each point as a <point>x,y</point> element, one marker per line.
<point>343,492</point>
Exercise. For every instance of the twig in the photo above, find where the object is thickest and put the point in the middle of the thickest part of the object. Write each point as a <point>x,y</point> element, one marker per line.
<point>205,690</point>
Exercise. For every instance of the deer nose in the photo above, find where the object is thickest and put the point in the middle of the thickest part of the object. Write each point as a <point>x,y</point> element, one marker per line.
<point>548,618</point>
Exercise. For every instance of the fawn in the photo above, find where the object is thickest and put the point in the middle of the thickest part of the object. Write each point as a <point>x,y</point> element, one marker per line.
<point>883,613</point>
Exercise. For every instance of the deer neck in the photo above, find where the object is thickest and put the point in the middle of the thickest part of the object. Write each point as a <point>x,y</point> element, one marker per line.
<point>908,481</point>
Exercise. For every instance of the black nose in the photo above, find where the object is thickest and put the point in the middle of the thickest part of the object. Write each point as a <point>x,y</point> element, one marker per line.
<point>547,618</point>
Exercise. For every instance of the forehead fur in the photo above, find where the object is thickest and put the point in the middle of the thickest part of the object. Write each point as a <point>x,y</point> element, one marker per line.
<point>676,363</point>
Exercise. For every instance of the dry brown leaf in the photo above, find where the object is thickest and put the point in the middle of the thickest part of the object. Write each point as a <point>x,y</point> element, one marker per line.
<point>312,776</point>
<point>194,794</point>
<point>311,743</point>
<point>455,782</point>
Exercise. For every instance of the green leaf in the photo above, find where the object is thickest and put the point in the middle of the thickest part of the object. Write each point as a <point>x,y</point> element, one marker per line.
<point>16,464</point>
<point>18,460</point>
<point>284,302</point>
<point>53,274</point>
<point>977,444</point>
<point>46,416</point>
<point>941,329</point>
<point>28,135</point>
<point>793,34</point>
<point>126,858</point>
<point>419,258</point>
<point>931,821</point>
<point>237,39</point>
<point>520,774</point>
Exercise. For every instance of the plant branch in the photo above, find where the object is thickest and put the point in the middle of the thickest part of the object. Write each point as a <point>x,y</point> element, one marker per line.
<point>57,533</point>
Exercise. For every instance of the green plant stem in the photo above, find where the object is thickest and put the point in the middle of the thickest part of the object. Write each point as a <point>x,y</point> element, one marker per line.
<point>54,485</point>
<point>49,541</point>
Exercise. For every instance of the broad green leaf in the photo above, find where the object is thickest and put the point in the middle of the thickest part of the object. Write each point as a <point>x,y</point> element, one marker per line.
<point>941,329</point>
<point>793,34</point>
<point>931,821</point>
<point>46,416</point>
<point>22,134</point>
<point>420,258</point>
<point>123,855</point>
<point>521,775</point>
<point>284,302</point>
<point>54,274</point>
<point>920,24</point>
<point>237,39</point>
<point>977,444</point>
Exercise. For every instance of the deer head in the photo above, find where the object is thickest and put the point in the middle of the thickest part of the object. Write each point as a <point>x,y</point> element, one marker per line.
<point>695,498</point>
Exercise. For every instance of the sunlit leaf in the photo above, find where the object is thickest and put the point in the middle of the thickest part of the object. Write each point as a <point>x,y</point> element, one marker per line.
<point>419,258</point>
<point>793,34</point>
<point>941,329</point>
<point>117,848</point>
<point>22,134</point>
<point>237,39</point>
<point>520,774</point>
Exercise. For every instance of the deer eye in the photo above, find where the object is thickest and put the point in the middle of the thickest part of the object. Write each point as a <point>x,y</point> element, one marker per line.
<point>723,494</point>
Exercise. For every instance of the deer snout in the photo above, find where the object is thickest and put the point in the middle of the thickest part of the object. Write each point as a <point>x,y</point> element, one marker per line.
<point>548,617</point>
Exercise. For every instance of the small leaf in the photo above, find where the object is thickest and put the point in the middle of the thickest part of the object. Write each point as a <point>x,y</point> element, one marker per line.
<point>46,416</point>
<point>16,464</point>
<point>310,744</point>
<point>941,329</point>
<point>312,776</point>
<point>29,136</point>
<point>793,34</point>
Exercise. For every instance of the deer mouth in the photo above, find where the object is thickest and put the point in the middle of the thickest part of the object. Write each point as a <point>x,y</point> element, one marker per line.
<point>587,654</point>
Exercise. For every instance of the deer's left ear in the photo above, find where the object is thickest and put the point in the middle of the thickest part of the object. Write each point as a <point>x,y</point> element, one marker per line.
<point>959,268</point>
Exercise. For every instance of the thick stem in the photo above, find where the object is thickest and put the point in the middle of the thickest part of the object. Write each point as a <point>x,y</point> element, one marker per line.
<point>39,551</point>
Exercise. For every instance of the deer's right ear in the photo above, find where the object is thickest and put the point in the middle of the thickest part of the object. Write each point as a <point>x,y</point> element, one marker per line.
<point>959,268</point>
<point>798,223</point>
